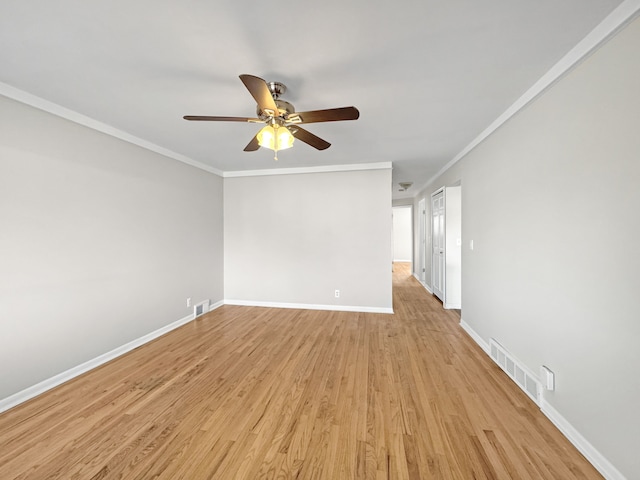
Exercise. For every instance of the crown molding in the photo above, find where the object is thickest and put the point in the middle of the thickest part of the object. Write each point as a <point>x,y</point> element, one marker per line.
<point>299,170</point>
<point>68,114</point>
<point>615,21</point>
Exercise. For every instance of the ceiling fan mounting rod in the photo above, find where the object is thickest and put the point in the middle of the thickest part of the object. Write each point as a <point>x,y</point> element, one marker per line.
<point>280,115</point>
<point>276,89</point>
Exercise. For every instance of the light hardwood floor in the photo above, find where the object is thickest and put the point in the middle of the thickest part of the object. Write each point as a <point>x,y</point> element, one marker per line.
<point>250,393</point>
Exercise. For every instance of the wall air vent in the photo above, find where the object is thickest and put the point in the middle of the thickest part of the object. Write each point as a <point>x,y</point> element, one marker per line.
<point>201,308</point>
<point>528,382</point>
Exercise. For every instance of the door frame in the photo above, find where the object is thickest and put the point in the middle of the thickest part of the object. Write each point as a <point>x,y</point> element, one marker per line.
<point>442,289</point>
<point>422,241</point>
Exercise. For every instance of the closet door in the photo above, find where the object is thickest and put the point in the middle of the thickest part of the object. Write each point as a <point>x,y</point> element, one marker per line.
<point>438,244</point>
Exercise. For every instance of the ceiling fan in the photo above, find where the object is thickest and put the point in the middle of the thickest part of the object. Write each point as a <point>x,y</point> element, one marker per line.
<point>281,119</point>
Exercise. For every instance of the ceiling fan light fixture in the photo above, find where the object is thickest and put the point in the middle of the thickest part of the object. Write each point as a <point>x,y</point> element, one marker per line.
<point>278,115</point>
<point>275,137</point>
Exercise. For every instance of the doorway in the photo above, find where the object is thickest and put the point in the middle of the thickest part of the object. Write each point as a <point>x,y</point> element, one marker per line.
<point>402,234</point>
<point>438,244</point>
<point>446,246</point>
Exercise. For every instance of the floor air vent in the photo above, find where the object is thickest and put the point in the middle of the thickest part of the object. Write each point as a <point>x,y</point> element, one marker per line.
<point>200,308</point>
<point>518,373</point>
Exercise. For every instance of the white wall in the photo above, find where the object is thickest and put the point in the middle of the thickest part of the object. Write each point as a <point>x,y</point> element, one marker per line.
<point>101,242</point>
<point>551,201</point>
<point>295,239</point>
<point>402,234</point>
<point>453,248</point>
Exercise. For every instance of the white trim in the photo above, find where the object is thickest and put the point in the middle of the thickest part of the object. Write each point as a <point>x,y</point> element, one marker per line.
<point>299,170</point>
<point>476,337</point>
<point>213,306</point>
<point>48,384</point>
<point>67,114</point>
<point>309,306</point>
<point>451,306</point>
<point>399,202</point>
<point>41,387</point>
<point>398,260</point>
<point>617,19</point>
<point>426,287</point>
<point>596,459</point>
<point>439,191</point>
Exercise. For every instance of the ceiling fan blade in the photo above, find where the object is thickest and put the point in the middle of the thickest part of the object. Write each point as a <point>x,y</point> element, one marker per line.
<point>206,118</point>
<point>253,145</point>
<point>328,115</point>
<point>309,138</point>
<point>260,91</point>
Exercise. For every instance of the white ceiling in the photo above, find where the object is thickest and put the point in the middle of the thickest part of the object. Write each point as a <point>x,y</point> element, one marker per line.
<point>427,76</point>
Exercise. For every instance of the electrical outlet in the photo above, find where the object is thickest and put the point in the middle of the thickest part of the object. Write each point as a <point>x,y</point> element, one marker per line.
<point>337,293</point>
<point>188,302</point>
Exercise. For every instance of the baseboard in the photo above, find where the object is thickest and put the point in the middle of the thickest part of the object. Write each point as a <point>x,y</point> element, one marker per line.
<point>59,379</point>
<point>308,306</point>
<point>426,287</point>
<point>452,306</point>
<point>476,338</point>
<point>213,306</point>
<point>48,384</point>
<point>606,469</point>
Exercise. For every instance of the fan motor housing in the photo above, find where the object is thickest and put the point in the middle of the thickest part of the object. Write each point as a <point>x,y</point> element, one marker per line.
<point>284,108</point>
<point>276,89</point>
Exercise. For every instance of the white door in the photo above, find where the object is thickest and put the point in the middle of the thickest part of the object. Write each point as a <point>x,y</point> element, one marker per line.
<point>422,248</point>
<point>437,244</point>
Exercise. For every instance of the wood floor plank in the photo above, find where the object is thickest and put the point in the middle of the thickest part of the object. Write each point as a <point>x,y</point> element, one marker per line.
<point>253,393</point>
